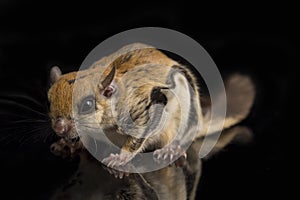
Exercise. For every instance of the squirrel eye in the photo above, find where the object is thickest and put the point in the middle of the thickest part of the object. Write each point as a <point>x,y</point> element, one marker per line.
<point>87,105</point>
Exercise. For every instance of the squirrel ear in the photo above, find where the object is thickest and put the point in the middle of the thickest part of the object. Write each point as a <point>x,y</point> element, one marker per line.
<point>107,77</point>
<point>55,73</point>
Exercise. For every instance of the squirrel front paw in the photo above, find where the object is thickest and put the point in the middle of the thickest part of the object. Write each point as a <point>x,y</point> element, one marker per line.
<point>116,160</point>
<point>118,164</point>
<point>66,148</point>
<point>171,153</point>
<point>116,173</point>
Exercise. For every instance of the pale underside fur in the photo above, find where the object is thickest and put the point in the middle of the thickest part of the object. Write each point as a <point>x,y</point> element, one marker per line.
<point>181,115</point>
<point>138,73</point>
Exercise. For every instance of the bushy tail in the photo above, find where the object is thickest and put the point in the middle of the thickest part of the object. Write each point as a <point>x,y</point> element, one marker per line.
<point>240,93</point>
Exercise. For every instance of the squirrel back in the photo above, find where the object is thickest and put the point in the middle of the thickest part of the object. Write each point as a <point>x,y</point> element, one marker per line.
<point>132,90</point>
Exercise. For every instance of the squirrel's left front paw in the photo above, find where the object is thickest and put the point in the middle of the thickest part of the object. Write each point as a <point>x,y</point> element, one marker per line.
<point>116,160</point>
<point>170,154</point>
<point>117,164</point>
<point>116,173</point>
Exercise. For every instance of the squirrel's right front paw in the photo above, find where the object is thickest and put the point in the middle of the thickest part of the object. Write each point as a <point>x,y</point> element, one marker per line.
<point>60,148</point>
<point>66,148</point>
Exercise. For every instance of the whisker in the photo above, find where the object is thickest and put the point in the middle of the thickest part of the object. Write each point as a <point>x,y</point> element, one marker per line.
<point>27,122</point>
<point>33,138</point>
<point>32,121</point>
<point>32,135</point>
<point>24,130</point>
<point>24,124</point>
<point>21,105</point>
<point>19,128</point>
<point>23,97</point>
<point>23,142</point>
<point>49,133</point>
<point>53,137</point>
<point>10,115</point>
<point>30,132</point>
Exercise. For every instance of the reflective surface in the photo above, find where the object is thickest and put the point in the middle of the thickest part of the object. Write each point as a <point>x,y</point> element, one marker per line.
<point>92,180</point>
<point>35,36</point>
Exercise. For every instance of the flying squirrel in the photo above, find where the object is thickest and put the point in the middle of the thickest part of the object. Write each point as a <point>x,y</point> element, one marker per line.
<point>143,94</point>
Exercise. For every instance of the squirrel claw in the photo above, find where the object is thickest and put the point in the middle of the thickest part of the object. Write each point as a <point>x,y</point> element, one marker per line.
<point>116,164</point>
<point>64,148</point>
<point>115,160</point>
<point>170,154</point>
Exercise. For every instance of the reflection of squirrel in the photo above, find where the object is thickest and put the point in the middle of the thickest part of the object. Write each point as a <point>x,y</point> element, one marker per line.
<point>92,182</point>
<point>137,83</point>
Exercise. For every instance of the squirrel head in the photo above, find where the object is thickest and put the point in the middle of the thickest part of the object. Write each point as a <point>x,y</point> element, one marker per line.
<point>79,96</point>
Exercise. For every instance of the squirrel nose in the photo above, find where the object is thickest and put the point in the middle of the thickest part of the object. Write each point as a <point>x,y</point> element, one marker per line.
<point>61,127</point>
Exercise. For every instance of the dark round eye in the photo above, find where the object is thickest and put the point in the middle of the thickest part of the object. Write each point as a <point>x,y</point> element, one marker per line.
<point>87,106</point>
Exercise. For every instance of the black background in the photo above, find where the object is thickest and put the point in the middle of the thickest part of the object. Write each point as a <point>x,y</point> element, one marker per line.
<point>37,35</point>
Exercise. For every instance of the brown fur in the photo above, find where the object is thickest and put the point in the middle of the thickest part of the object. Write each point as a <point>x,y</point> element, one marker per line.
<point>61,106</point>
<point>138,72</point>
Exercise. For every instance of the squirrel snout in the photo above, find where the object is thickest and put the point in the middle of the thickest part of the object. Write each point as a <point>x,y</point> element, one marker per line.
<point>61,127</point>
